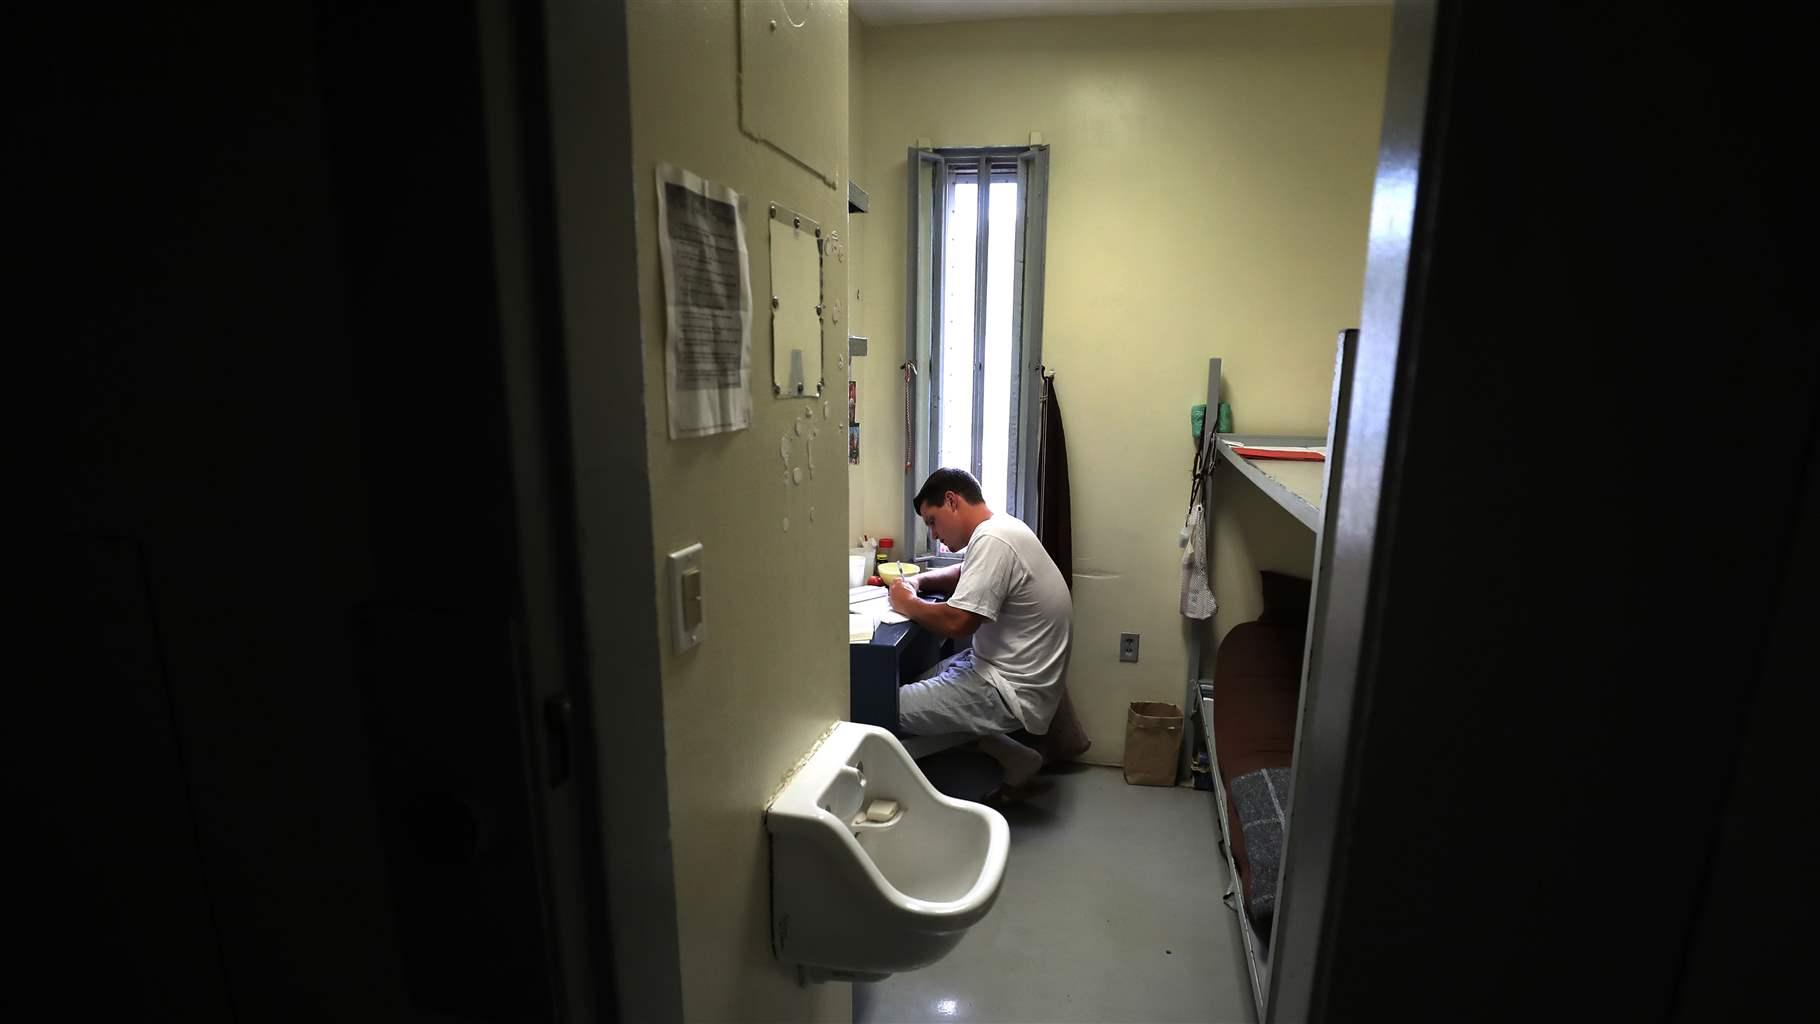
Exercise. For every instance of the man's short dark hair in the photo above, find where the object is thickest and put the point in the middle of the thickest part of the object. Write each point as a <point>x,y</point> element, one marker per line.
<point>944,480</point>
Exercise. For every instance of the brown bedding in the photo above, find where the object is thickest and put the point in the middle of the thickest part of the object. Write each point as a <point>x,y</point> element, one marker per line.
<point>1257,681</point>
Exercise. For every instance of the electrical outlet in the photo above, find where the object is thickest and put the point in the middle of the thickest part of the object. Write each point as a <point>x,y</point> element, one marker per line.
<point>1128,646</point>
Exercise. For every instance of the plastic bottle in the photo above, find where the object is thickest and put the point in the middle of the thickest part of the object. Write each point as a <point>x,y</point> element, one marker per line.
<point>885,551</point>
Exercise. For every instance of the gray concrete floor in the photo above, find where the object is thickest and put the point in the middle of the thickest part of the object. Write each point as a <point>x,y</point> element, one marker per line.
<point>1110,911</point>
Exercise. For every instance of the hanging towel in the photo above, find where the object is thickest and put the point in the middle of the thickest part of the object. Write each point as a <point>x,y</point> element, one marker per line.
<point>1054,518</point>
<point>1065,740</point>
<point>1197,593</point>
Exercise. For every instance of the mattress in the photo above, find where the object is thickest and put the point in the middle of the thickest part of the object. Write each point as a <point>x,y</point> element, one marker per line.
<point>1257,672</point>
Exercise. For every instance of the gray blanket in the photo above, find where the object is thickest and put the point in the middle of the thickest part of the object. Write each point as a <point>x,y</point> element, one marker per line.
<point>1260,798</point>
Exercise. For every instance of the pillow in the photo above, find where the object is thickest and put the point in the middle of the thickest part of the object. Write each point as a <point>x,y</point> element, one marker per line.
<point>1285,599</point>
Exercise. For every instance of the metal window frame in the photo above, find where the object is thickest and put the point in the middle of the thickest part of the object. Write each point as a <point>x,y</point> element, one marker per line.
<point>922,389</point>
<point>982,275</point>
<point>1027,327</point>
<point>923,348</point>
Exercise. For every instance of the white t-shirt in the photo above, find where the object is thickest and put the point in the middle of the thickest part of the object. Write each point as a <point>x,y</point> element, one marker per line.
<point>1022,651</point>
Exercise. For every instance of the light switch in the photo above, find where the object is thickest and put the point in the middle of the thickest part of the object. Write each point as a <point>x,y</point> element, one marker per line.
<point>687,609</point>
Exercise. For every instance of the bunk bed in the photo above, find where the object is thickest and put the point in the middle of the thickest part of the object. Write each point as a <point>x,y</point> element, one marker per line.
<point>1245,701</point>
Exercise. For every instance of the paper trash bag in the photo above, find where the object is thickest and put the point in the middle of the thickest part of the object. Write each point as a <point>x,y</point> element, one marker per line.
<point>1153,743</point>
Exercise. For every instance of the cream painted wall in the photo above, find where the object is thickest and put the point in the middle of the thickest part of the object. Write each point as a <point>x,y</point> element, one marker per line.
<point>771,674</point>
<point>1210,190</point>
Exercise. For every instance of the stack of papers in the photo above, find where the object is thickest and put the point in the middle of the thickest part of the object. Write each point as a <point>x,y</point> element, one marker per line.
<point>866,611</point>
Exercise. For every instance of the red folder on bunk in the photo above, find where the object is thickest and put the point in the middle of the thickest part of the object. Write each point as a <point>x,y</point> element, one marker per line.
<point>1296,454</point>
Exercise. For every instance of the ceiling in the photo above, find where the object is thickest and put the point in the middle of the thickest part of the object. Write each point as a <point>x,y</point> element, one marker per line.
<point>911,12</point>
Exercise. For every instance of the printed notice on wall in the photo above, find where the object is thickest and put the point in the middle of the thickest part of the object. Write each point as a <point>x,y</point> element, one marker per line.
<point>707,304</point>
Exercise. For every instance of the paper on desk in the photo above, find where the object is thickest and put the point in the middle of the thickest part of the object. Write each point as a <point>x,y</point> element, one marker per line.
<point>876,613</point>
<point>874,609</point>
<point>860,625</point>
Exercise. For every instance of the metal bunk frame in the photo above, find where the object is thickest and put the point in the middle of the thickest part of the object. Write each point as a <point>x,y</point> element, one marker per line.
<point>1200,693</point>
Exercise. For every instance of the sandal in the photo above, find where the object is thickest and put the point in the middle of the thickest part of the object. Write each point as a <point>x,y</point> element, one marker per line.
<point>1006,795</point>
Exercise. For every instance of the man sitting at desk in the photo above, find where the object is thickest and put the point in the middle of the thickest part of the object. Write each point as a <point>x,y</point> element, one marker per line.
<point>1011,599</point>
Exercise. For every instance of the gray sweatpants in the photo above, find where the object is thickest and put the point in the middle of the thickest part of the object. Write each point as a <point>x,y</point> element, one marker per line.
<point>953,697</point>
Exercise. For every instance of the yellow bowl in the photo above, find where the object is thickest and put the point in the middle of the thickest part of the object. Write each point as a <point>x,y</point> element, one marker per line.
<point>889,571</point>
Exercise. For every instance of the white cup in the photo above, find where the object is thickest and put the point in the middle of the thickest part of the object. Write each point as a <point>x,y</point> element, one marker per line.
<point>856,570</point>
